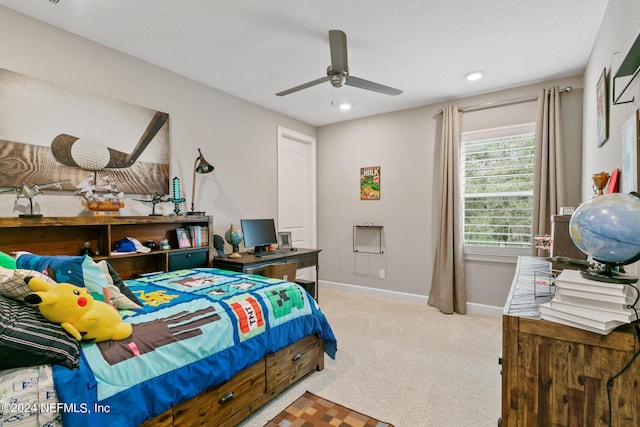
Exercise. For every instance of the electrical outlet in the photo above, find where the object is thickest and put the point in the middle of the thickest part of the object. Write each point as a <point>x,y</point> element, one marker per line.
<point>382,274</point>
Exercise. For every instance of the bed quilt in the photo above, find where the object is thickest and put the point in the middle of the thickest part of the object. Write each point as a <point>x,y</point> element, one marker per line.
<point>197,328</point>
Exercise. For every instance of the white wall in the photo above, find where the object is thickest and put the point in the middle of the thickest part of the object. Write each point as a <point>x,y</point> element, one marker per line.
<point>619,29</point>
<point>237,137</point>
<point>405,145</point>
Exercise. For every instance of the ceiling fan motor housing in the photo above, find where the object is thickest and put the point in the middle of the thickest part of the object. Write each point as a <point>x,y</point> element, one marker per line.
<point>336,78</point>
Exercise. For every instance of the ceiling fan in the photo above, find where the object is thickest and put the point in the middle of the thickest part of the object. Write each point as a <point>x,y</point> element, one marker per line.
<point>338,71</point>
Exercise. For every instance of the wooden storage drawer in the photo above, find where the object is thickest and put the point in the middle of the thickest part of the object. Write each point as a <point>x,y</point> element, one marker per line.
<point>288,365</point>
<point>224,401</point>
<point>188,259</point>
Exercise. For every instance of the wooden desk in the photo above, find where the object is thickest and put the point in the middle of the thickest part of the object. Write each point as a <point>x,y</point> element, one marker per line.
<point>556,375</point>
<point>251,264</point>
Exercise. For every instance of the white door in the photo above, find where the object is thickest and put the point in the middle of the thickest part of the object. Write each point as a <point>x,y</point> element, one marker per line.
<point>297,190</point>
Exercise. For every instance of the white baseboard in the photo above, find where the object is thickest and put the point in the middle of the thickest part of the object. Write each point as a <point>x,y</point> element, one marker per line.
<point>472,308</point>
<point>484,310</point>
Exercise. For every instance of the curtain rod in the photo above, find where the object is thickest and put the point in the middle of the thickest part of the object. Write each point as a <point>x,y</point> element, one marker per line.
<point>494,104</point>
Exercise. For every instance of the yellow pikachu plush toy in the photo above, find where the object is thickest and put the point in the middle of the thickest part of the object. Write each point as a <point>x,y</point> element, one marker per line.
<point>77,312</point>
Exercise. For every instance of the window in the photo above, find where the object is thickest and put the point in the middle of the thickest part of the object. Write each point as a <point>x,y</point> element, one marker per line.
<point>496,170</point>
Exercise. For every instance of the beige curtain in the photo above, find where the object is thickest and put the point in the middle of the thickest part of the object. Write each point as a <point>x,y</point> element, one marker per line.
<point>448,290</point>
<point>549,191</point>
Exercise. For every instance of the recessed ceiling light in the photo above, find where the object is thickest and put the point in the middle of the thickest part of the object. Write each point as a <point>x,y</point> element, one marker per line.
<point>344,106</point>
<point>473,76</point>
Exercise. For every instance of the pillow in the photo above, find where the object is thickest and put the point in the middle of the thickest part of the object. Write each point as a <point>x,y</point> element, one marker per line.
<point>28,339</point>
<point>7,261</point>
<point>12,284</point>
<point>117,281</point>
<point>80,271</point>
<point>77,270</point>
<point>118,294</point>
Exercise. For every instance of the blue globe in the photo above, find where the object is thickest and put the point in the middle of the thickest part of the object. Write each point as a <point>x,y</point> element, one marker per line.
<point>607,228</point>
<point>233,236</point>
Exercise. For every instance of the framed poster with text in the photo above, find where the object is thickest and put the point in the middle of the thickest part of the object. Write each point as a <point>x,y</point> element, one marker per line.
<point>370,183</point>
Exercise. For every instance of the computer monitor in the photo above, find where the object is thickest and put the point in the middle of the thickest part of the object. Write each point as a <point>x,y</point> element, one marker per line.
<point>259,234</point>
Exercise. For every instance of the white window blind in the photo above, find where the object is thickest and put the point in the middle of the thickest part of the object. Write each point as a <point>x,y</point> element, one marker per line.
<point>497,186</point>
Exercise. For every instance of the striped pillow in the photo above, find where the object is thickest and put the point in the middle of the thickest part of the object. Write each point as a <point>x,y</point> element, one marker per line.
<point>28,339</point>
<point>12,282</point>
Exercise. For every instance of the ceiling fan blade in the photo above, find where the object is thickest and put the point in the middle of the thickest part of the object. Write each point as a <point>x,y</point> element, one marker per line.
<point>368,85</point>
<point>338,47</point>
<point>303,86</point>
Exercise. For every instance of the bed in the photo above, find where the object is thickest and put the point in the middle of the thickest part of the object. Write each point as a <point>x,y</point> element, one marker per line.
<point>209,346</point>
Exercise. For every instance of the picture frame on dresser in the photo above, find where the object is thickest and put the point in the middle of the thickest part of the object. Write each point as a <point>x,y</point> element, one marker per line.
<point>184,240</point>
<point>284,240</point>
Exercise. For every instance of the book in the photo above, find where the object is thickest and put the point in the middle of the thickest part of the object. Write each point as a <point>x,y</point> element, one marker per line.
<point>567,322</point>
<point>572,279</point>
<point>199,235</point>
<point>580,321</point>
<point>593,312</point>
<point>597,303</point>
<point>592,296</point>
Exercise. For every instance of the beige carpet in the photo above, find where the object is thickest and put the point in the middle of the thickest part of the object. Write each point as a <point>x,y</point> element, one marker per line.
<point>405,363</point>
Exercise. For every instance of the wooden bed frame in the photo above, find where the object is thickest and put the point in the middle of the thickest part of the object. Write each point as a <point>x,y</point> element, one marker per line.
<point>226,404</point>
<point>230,403</point>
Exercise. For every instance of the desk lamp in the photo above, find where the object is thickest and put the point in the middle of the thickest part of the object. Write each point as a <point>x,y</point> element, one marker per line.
<point>199,166</point>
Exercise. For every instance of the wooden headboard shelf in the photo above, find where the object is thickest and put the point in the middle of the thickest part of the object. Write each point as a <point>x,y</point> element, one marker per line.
<point>67,235</point>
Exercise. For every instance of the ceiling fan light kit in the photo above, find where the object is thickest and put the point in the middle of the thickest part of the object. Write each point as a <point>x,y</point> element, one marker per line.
<point>338,71</point>
<point>473,76</point>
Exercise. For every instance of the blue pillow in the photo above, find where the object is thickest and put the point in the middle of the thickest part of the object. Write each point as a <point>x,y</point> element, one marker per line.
<point>78,270</point>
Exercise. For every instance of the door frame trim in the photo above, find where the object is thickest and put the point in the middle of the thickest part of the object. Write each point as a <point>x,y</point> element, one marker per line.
<point>310,141</point>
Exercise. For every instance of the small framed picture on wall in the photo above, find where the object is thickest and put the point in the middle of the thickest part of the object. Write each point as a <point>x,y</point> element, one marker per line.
<point>631,153</point>
<point>602,99</point>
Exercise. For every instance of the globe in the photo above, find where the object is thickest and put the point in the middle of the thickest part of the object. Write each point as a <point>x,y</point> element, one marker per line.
<point>233,236</point>
<point>607,228</point>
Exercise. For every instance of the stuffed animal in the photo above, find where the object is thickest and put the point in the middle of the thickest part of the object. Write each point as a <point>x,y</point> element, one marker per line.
<point>77,312</point>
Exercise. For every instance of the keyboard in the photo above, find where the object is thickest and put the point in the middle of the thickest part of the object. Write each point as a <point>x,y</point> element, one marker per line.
<point>269,254</point>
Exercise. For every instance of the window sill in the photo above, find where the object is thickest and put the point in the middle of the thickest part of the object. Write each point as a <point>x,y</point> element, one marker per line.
<point>494,255</point>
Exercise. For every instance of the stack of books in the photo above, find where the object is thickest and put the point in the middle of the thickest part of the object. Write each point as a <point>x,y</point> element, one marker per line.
<point>588,304</point>
<point>199,235</point>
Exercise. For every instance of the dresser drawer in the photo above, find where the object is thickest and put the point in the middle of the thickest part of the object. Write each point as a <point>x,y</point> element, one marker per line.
<point>224,401</point>
<point>288,365</point>
<point>188,259</point>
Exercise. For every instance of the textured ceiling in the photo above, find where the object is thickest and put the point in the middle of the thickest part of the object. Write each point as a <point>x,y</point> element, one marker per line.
<point>255,48</point>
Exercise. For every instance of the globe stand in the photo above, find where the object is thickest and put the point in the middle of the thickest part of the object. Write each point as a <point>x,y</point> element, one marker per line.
<point>608,275</point>
<point>236,252</point>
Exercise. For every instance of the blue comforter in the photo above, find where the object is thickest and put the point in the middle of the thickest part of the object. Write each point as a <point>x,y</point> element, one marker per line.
<point>197,329</point>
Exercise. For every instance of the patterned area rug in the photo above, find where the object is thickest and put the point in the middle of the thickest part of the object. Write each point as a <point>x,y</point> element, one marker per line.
<point>313,411</point>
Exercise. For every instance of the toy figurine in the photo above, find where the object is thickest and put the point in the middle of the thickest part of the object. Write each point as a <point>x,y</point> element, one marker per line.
<point>73,307</point>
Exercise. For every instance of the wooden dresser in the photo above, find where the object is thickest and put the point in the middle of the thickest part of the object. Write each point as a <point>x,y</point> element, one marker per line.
<point>556,375</point>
